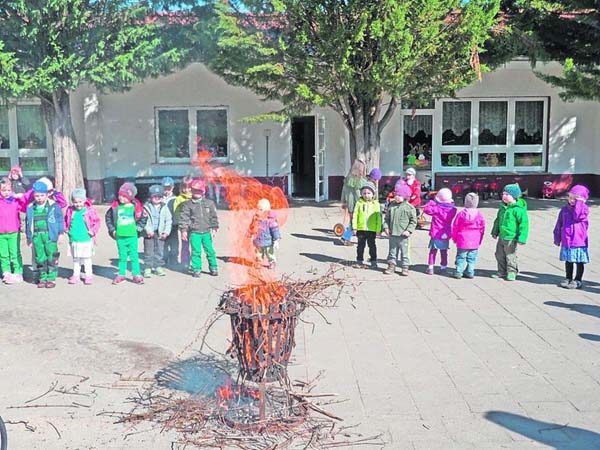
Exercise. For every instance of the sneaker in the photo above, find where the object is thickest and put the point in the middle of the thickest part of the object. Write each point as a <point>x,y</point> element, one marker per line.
<point>88,280</point>
<point>468,275</point>
<point>160,272</point>
<point>138,279</point>
<point>147,272</point>
<point>73,279</point>
<point>6,276</point>
<point>404,272</point>
<point>50,284</point>
<point>443,270</point>
<point>565,283</point>
<point>498,276</point>
<point>574,285</point>
<point>358,265</point>
<point>391,268</point>
<point>214,272</point>
<point>429,271</point>
<point>374,265</point>
<point>41,284</point>
<point>511,277</point>
<point>196,274</point>
<point>458,275</point>
<point>14,279</point>
<point>119,279</point>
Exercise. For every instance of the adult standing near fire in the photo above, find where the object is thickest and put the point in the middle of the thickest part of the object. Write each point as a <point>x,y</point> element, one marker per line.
<point>353,183</point>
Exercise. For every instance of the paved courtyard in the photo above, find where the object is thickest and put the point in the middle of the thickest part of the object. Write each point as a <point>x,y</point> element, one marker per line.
<point>429,362</point>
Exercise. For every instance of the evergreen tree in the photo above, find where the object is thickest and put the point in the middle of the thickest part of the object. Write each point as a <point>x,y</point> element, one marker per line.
<point>50,47</point>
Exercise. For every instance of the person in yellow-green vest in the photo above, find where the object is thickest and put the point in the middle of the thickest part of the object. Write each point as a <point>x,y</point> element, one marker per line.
<point>366,224</point>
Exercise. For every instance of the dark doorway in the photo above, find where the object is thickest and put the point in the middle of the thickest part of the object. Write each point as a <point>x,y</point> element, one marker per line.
<point>303,156</point>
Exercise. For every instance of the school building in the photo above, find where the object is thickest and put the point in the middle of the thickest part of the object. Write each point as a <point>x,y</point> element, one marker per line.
<point>511,126</point>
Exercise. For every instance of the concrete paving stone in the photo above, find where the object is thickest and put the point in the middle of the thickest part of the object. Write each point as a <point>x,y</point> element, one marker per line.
<point>482,403</point>
<point>474,430</point>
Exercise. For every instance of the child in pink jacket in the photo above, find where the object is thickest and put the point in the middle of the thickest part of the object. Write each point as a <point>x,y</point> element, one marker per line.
<point>442,211</point>
<point>467,232</point>
<point>10,233</point>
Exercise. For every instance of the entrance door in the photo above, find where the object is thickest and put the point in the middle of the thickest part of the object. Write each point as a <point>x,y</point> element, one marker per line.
<point>320,186</point>
<point>303,157</point>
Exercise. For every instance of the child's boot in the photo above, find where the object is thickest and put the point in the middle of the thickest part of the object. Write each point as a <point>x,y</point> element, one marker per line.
<point>391,268</point>
<point>138,279</point>
<point>88,280</point>
<point>147,272</point>
<point>159,271</point>
<point>404,272</point>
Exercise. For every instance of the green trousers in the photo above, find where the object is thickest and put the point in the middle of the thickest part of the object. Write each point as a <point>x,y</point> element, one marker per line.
<point>128,248</point>
<point>199,241</point>
<point>46,256</point>
<point>506,257</point>
<point>10,253</point>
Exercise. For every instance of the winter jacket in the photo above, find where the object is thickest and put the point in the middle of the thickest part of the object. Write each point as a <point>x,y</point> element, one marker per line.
<point>265,230</point>
<point>179,200</point>
<point>20,186</point>
<point>91,218</point>
<point>9,214</point>
<point>468,229</point>
<point>571,228</point>
<point>351,191</point>
<point>400,217</point>
<point>111,215</point>
<point>54,196</point>
<point>512,222</point>
<point>441,219</point>
<point>198,216</point>
<point>55,220</point>
<point>165,219</point>
<point>366,216</point>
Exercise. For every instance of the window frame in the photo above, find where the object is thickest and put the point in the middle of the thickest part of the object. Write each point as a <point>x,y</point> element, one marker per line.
<point>15,152</point>
<point>192,131</point>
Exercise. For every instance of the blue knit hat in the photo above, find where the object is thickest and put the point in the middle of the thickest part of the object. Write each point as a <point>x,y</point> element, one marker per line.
<point>156,190</point>
<point>167,181</point>
<point>514,190</point>
<point>39,187</point>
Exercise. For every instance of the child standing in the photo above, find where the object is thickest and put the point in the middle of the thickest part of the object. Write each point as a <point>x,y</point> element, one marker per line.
<point>264,230</point>
<point>125,219</point>
<point>45,223</point>
<point>442,211</point>
<point>571,234</point>
<point>82,225</point>
<point>156,231</point>
<point>467,232</point>
<point>10,227</point>
<point>20,184</point>
<point>353,182</point>
<point>400,222</point>
<point>511,228</point>
<point>185,193</point>
<point>172,240</point>
<point>199,223</point>
<point>415,187</point>
<point>366,224</point>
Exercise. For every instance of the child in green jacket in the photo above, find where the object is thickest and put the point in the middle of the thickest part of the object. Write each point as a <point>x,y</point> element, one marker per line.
<point>366,224</point>
<point>400,222</point>
<point>511,227</point>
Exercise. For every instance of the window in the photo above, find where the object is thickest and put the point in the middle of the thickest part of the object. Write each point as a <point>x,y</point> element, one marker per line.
<point>456,123</point>
<point>182,132</point>
<point>23,138</point>
<point>417,136</point>
<point>492,123</point>
<point>456,160</point>
<point>529,123</point>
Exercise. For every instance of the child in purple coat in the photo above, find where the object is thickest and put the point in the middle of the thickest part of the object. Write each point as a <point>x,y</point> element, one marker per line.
<point>467,232</point>
<point>442,211</point>
<point>571,234</point>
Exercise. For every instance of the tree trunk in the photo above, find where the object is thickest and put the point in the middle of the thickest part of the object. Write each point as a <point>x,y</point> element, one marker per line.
<point>67,165</point>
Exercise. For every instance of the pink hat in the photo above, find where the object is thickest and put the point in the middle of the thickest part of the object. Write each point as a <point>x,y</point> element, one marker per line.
<point>579,190</point>
<point>403,190</point>
<point>128,190</point>
<point>444,195</point>
<point>17,170</point>
<point>198,185</point>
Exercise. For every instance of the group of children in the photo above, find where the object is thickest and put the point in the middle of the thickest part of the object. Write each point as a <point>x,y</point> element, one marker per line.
<point>161,221</point>
<point>466,228</point>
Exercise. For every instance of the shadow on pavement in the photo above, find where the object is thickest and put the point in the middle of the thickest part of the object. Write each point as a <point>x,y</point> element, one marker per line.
<point>590,337</point>
<point>582,308</point>
<point>560,437</point>
<point>326,258</point>
<point>333,239</point>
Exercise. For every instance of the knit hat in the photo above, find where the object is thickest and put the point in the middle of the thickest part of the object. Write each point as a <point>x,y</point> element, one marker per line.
<point>128,190</point>
<point>264,205</point>
<point>514,190</point>
<point>411,171</point>
<point>167,181</point>
<point>368,186</point>
<point>198,185</point>
<point>444,195</point>
<point>47,182</point>
<point>375,174</point>
<point>471,200</point>
<point>78,193</point>
<point>156,190</point>
<point>579,190</point>
<point>403,190</point>
<point>39,187</point>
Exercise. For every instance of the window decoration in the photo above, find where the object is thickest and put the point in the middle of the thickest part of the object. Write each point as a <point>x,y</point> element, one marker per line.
<point>418,131</point>
<point>528,159</point>
<point>491,160</point>
<point>456,160</point>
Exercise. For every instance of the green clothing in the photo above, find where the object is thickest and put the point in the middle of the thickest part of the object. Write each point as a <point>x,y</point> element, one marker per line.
<point>506,257</point>
<point>198,241</point>
<point>79,231</point>
<point>512,222</point>
<point>125,223</point>
<point>46,256</point>
<point>367,216</point>
<point>128,247</point>
<point>400,217</point>
<point>40,217</point>
<point>351,191</point>
<point>10,253</point>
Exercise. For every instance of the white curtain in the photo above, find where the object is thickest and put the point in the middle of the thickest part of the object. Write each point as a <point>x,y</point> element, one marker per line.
<point>529,116</point>
<point>493,116</point>
<point>30,127</point>
<point>412,125</point>
<point>456,117</point>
